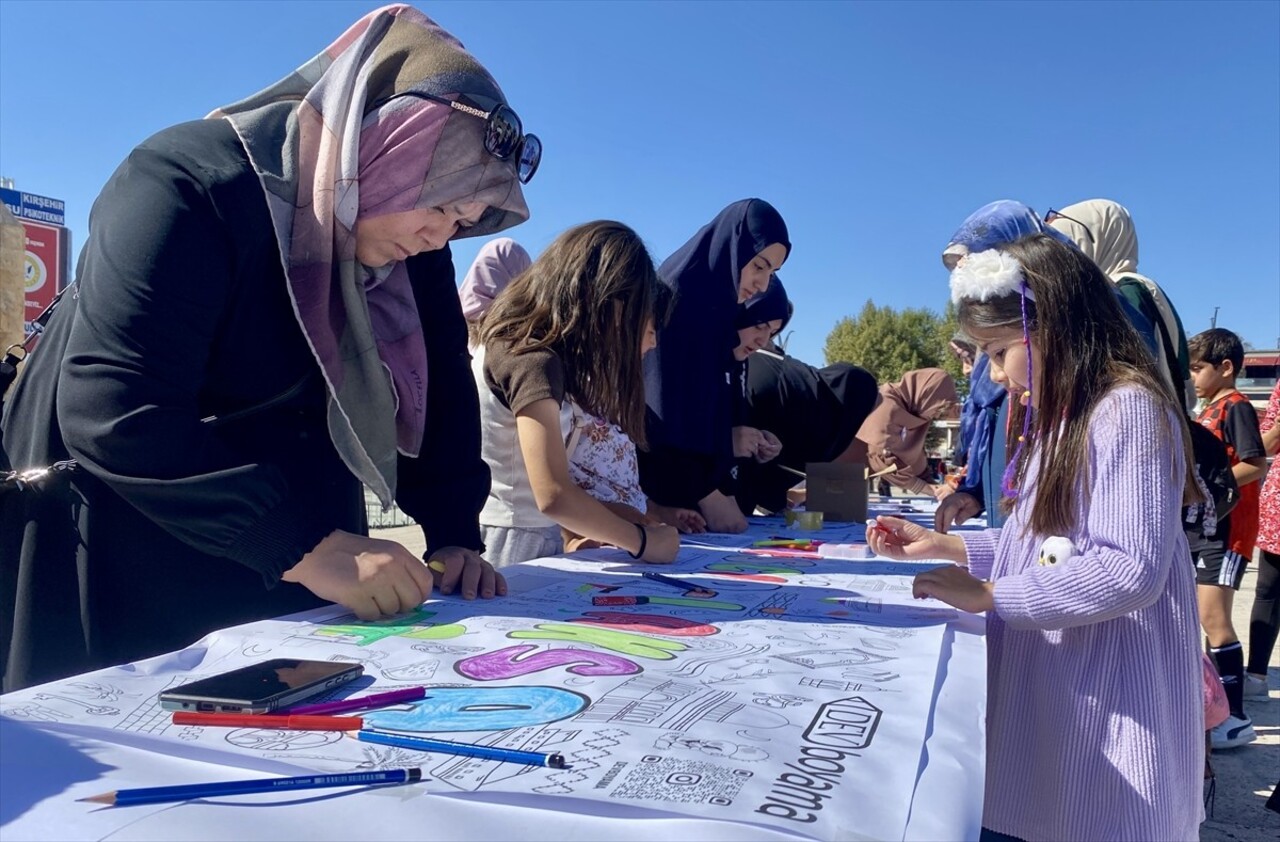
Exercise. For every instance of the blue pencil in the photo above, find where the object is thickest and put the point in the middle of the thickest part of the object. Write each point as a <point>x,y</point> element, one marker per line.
<point>672,581</point>
<point>162,794</point>
<point>506,755</point>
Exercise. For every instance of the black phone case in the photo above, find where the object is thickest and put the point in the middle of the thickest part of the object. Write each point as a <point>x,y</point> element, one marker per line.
<point>180,699</point>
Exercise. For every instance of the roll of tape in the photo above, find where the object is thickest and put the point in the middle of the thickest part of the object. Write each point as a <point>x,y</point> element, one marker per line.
<point>808,520</point>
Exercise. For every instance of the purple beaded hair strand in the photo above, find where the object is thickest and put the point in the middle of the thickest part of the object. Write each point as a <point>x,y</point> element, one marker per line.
<point>1006,482</point>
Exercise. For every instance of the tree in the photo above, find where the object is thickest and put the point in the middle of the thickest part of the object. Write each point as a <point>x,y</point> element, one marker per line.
<point>889,343</point>
<point>948,327</point>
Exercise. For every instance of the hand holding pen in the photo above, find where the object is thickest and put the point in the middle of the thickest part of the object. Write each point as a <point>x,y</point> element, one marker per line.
<point>900,539</point>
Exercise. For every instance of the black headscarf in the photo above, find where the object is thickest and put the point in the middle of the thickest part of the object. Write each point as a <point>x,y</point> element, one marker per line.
<point>688,377</point>
<point>765,306</point>
<point>814,412</point>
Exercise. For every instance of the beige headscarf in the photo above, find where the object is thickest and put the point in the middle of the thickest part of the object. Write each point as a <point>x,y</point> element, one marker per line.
<point>1111,240</point>
<point>895,430</point>
<point>1112,243</point>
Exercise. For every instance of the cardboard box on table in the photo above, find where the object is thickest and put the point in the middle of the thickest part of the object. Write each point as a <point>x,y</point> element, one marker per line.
<point>837,489</point>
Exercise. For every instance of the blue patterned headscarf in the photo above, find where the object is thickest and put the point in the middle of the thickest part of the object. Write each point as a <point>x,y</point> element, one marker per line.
<point>990,226</point>
<point>996,224</point>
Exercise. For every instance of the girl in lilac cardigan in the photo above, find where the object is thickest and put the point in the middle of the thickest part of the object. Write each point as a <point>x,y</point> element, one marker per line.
<point>1095,718</point>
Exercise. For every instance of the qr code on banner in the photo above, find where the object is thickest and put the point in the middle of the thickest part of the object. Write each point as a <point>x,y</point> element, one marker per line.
<point>657,778</point>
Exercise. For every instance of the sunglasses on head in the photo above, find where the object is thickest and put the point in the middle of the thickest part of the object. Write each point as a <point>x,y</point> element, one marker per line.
<point>1052,214</point>
<point>504,135</point>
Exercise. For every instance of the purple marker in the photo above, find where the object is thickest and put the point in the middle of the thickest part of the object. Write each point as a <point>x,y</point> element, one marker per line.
<point>377,700</point>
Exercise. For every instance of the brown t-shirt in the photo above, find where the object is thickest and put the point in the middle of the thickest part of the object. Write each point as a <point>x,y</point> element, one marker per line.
<point>518,380</point>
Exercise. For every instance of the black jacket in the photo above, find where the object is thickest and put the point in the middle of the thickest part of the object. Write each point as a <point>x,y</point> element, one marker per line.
<point>178,376</point>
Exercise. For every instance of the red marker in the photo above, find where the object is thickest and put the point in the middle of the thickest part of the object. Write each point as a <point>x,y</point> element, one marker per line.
<point>266,720</point>
<point>619,600</point>
<point>875,526</point>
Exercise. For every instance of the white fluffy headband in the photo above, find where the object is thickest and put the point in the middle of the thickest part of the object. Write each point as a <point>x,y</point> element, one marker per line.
<point>985,275</point>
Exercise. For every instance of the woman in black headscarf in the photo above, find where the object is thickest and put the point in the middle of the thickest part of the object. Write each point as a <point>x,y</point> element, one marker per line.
<point>694,386</point>
<point>814,412</point>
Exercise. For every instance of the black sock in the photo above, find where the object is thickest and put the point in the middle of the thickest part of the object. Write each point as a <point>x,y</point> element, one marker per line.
<point>1229,660</point>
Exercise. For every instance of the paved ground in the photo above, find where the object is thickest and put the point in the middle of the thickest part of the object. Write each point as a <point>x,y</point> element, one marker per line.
<point>1246,775</point>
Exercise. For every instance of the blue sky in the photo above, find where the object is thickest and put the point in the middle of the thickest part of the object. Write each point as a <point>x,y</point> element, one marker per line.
<point>875,128</point>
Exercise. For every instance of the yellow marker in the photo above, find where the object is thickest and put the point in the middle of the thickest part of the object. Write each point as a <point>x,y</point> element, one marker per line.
<point>437,566</point>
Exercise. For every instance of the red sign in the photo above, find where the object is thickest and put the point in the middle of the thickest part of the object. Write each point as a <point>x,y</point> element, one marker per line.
<point>43,265</point>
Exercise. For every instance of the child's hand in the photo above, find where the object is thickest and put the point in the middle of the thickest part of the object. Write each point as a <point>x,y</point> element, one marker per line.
<point>901,539</point>
<point>685,520</point>
<point>688,521</point>
<point>956,587</point>
<point>661,544</point>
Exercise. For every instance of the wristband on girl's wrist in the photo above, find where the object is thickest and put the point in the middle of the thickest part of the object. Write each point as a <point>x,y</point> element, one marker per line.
<point>644,542</point>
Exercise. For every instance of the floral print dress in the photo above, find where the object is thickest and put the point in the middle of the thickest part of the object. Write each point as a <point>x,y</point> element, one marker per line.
<point>602,461</point>
<point>1269,505</point>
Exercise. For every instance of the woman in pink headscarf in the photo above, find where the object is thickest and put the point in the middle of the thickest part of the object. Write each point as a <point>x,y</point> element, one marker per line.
<point>896,430</point>
<point>266,320</point>
<point>497,265</point>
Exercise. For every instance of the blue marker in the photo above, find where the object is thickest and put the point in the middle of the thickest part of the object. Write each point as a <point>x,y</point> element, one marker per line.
<point>505,755</point>
<point>672,581</point>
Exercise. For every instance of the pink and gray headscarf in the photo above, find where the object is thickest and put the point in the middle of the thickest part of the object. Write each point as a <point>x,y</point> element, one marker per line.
<point>325,159</point>
<point>496,266</point>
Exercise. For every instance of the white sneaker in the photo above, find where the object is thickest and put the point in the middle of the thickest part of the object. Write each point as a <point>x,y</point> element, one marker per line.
<point>1255,687</point>
<point>1233,733</point>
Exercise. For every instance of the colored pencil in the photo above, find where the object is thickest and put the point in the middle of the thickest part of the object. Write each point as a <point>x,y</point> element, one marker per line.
<point>377,700</point>
<point>266,720</point>
<point>162,794</point>
<point>505,755</point>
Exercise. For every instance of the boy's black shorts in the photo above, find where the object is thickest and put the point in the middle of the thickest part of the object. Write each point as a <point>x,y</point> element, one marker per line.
<point>1216,565</point>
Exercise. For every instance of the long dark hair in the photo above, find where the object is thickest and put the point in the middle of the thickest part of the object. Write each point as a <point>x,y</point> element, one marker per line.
<point>587,298</point>
<point>1088,347</point>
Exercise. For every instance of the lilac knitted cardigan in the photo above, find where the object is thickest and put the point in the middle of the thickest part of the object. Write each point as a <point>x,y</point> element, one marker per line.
<point>1095,715</point>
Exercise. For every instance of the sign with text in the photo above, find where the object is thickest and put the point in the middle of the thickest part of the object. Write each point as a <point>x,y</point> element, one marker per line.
<point>35,208</point>
<point>43,266</point>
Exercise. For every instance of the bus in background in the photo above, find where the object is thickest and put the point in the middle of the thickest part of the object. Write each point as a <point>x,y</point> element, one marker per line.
<point>1261,369</point>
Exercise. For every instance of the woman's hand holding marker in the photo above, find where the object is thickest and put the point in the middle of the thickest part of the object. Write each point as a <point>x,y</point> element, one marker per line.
<point>456,568</point>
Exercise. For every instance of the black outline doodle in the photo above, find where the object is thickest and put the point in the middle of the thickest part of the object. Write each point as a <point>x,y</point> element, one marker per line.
<point>95,710</point>
<point>694,667</point>
<point>39,713</point>
<point>779,700</point>
<point>842,686</point>
<point>582,761</point>
<point>286,741</point>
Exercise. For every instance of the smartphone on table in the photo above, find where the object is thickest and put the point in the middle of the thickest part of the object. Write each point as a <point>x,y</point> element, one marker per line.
<point>260,688</point>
